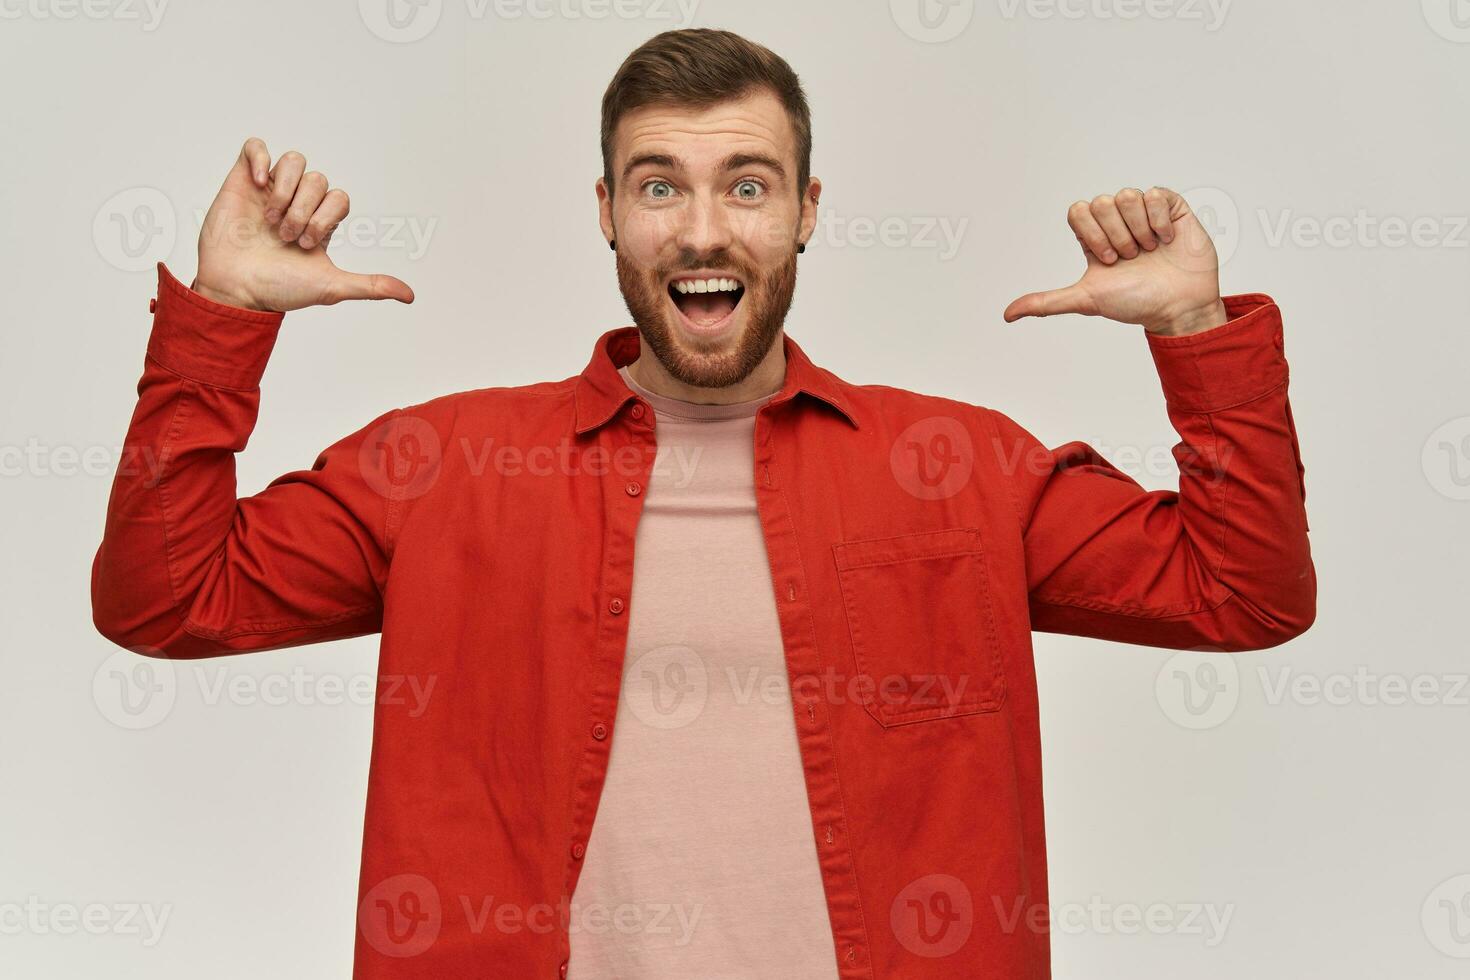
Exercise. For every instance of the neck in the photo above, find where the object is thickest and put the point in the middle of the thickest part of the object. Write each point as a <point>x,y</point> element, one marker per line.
<point>767,378</point>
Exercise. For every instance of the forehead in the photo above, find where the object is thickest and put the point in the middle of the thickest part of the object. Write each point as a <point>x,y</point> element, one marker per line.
<point>701,135</point>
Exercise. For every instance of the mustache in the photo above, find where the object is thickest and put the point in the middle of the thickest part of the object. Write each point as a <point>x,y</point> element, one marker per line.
<point>689,262</point>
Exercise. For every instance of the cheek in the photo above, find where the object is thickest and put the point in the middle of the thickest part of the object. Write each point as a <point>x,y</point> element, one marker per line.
<point>649,233</point>
<point>765,236</point>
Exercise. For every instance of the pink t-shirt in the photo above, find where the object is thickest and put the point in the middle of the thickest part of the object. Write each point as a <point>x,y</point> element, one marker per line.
<point>702,862</point>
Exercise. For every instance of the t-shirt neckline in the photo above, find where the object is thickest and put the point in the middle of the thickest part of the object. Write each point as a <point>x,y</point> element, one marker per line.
<point>695,411</point>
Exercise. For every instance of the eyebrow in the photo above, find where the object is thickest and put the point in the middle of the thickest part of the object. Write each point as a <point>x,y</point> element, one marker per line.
<point>734,161</point>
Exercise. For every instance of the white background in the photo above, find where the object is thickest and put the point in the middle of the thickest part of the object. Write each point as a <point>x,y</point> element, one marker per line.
<point>1330,829</point>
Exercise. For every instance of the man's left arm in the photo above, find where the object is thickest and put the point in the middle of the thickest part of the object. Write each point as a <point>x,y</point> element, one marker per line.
<point>1224,562</point>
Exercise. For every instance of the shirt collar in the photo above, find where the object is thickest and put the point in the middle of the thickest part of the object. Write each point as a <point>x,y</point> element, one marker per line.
<point>600,390</point>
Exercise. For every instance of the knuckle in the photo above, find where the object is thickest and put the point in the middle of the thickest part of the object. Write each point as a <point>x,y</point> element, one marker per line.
<point>315,178</point>
<point>1078,209</point>
<point>1102,203</point>
<point>338,194</point>
<point>295,157</point>
<point>1129,195</point>
<point>1154,196</point>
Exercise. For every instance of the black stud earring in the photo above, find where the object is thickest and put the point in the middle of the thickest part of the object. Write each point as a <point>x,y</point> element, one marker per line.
<point>801,247</point>
<point>612,243</point>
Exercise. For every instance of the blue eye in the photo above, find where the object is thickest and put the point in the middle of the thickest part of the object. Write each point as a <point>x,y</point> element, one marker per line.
<point>658,183</point>
<point>748,183</point>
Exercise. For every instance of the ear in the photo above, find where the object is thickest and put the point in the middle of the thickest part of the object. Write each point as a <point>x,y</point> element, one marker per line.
<point>808,223</point>
<point>604,210</point>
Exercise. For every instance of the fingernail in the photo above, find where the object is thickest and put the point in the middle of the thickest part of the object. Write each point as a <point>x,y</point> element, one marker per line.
<point>1109,255</point>
<point>305,241</point>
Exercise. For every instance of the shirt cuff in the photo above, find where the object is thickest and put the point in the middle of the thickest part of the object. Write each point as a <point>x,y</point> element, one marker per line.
<point>1236,362</point>
<point>209,342</point>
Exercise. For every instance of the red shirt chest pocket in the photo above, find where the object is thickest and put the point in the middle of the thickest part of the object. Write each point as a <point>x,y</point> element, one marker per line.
<point>922,630</point>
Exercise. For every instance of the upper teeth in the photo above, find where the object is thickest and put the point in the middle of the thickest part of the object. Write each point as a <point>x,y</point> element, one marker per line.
<point>706,285</point>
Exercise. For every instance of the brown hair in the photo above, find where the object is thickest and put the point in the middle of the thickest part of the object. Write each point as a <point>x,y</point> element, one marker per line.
<point>700,67</point>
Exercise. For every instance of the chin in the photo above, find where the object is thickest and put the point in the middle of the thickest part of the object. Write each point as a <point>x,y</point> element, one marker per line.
<point>702,358</point>
<point>709,327</point>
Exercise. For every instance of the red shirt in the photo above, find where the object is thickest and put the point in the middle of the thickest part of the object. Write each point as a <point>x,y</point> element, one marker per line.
<point>915,542</point>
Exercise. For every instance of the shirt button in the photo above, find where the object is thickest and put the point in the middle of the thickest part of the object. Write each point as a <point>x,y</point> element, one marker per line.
<point>562,971</point>
<point>637,411</point>
<point>599,731</point>
<point>152,304</point>
<point>634,488</point>
<point>615,606</point>
<point>578,849</point>
<point>1279,344</point>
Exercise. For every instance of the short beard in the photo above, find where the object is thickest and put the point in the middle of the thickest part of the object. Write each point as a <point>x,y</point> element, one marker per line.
<point>767,300</point>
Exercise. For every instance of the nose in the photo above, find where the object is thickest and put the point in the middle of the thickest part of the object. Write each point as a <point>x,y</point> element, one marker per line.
<point>704,225</point>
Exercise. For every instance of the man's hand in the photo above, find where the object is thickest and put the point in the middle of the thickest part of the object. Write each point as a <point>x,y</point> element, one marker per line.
<point>1149,261</point>
<point>264,241</point>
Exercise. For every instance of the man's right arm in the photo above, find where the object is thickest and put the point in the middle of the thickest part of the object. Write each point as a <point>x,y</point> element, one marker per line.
<point>185,569</point>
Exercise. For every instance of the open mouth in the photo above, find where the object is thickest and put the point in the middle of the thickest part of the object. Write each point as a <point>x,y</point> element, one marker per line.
<point>706,303</point>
